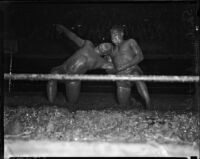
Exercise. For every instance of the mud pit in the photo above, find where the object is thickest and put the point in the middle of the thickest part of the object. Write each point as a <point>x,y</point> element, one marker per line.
<point>98,128</point>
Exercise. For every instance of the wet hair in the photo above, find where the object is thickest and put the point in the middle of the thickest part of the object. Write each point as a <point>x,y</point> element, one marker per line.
<point>119,28</point>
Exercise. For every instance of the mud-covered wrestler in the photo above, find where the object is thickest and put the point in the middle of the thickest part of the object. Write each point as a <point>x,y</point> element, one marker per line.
<point>87,57</point>
<point>126,56</point>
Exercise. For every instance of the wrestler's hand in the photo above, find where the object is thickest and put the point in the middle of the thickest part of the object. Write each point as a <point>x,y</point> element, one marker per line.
<point>108,66</point>
<point>110,69</point>
<point>59,28</point>
<point>108,58</point>
<point>122,68</point>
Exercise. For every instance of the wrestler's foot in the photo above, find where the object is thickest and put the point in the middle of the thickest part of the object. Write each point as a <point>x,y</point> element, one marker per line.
<point>72,108</point>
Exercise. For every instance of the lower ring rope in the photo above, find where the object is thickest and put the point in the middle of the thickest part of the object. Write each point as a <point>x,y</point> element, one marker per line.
<point>152,78</point>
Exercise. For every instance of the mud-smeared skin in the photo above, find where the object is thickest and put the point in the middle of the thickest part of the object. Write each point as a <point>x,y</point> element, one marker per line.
<point>126,56</point>
<point>86,58</point>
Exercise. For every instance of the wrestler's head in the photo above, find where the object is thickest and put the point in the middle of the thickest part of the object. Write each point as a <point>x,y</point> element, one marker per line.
<point>104,48</point>
<point>117,34</point>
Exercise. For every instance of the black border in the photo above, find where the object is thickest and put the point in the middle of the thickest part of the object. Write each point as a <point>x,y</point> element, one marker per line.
<point>68,2</point>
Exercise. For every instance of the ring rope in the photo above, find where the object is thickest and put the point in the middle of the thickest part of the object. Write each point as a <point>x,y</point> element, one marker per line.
<point>150,78</point>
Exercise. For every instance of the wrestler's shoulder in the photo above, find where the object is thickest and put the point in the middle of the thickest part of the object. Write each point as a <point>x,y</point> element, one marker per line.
<point>88,42</point>
<point>132,41</point>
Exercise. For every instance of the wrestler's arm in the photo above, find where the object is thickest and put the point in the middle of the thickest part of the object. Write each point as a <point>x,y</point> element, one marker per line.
<point>138,58</point>
<point>103,64</point>
<point>72,36</point>
<point>108,57</point>
<point>112,70</point>
<point>108,66</point>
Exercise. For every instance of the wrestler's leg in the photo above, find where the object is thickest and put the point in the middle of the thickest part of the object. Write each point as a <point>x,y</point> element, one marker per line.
<point>143,91</point>
<point>72,91</point>
<point>52,84</point>
<point>123,93</point>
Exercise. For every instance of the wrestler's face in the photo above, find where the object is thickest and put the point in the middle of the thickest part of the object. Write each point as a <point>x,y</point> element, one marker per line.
<point>116,36</point>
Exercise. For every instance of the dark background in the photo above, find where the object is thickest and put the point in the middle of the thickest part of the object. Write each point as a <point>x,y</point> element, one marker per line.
<point>164,31</point>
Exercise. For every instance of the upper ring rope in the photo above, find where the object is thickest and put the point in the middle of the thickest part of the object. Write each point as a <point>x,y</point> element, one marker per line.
<point>150,78</point>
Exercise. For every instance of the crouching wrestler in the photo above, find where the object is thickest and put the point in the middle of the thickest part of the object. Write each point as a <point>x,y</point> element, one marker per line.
<point>87,57</point>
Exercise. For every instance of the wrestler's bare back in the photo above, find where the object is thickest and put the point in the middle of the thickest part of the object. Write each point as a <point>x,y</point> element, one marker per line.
<point>83,60</point>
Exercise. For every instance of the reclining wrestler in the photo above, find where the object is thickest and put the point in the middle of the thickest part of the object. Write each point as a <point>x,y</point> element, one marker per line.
<point>87,57</point>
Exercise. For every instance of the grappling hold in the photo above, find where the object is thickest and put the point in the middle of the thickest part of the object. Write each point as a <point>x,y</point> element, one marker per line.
<point>88,57</point>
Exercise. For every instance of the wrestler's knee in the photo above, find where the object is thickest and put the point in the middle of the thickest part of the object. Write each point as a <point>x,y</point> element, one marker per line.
<point>72,91</point>
<point>123,95</point>
<point>51,90</point>
<point>74,83</point>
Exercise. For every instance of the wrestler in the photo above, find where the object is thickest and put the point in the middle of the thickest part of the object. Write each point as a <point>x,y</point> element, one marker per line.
<point>88,57</point>
<point>126,56</point>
